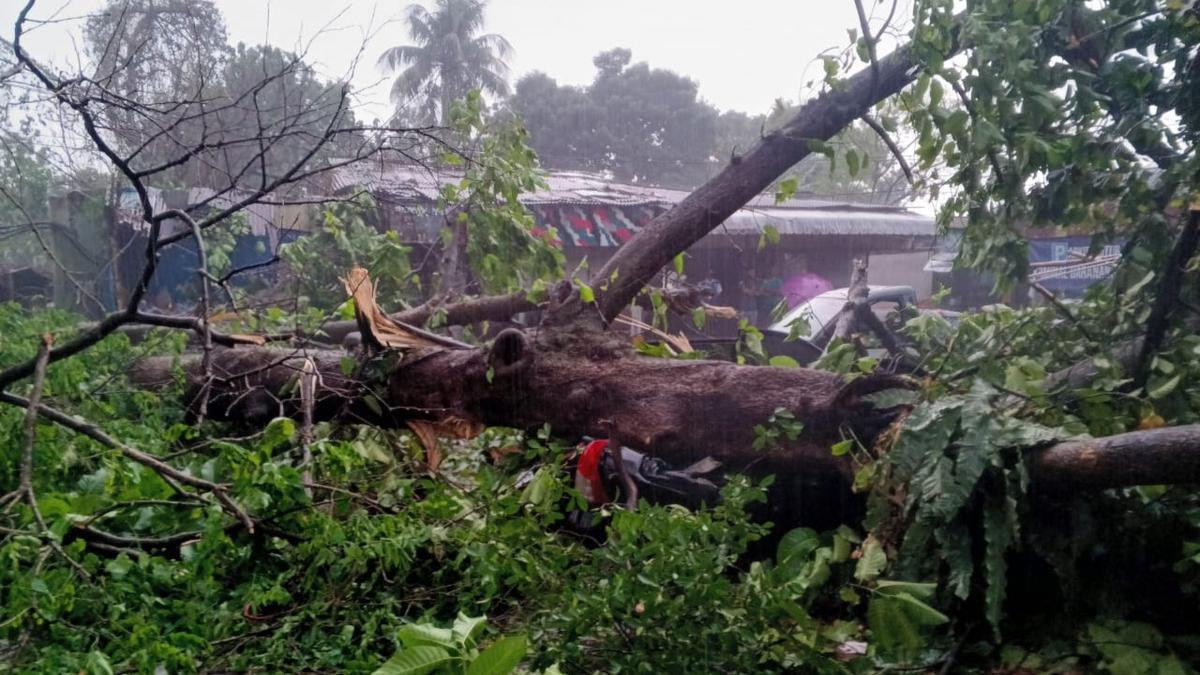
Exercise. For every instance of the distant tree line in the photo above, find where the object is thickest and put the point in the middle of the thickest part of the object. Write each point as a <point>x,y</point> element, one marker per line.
<point>650,125</point>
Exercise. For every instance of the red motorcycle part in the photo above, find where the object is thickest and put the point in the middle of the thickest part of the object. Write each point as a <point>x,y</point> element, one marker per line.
<point>587,475</point>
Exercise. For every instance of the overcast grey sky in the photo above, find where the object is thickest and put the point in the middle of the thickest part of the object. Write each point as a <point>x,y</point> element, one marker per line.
<point>744,54</point>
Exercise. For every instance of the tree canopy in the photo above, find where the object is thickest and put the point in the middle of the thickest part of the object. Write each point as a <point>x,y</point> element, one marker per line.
<point>168,52</point>
<point>265,92</point>
<point>450,58</point>
<point>246,109</point>
<point>646,124</point>
<point>640,123</point>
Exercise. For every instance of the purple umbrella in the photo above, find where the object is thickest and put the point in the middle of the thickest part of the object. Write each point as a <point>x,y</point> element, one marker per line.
<point>804,287</point>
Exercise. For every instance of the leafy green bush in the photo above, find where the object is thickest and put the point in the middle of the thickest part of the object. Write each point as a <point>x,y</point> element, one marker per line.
<point>429,649</point>
<point>346,238</point>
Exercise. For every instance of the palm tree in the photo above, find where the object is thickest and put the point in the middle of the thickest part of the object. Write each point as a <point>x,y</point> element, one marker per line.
<point>449,58</point>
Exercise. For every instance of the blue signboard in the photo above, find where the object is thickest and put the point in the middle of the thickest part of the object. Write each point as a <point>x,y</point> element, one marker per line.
<point>1076,278</point>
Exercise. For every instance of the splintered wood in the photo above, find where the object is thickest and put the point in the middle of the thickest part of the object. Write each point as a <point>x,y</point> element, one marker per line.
<point>376,326</point>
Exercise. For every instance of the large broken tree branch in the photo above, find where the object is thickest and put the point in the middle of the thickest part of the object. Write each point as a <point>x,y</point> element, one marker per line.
<point>708,206</point>
<point>856,297</point>
<point>1167,294</point>
<point>1165,456</point>
<point>682,300</point>
<point>659,404</point>
<point>857,314</point>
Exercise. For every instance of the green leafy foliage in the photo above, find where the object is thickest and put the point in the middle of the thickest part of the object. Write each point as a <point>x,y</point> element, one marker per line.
<point>781,426</point>
<point>749,344</point>
<point>505,251</point>
<point>898,615</point>
<point>951,500</point>
<point>27,179</point>
<point>346,237</point>
<point>428,649</point>
<point>770,233</point>
<point>637,122</point>
<point>1055,124</point>
<point>655,596</point>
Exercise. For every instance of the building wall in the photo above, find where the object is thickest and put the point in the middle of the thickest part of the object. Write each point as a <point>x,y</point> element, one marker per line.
<point>902,269</point>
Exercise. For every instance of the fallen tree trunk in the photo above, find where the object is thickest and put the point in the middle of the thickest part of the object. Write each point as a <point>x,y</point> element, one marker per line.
<point>583,380</point>
<point>574,376</point>
<point>1170,455</point>
<point>682,411</point>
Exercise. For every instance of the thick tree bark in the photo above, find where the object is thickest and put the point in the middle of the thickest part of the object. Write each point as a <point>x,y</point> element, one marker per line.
<point>580,384</point>
<point>584,380</point>
<point>682,411</point>
<point>455,271</point>
<point>1155,457</point>
<point>1167,296</point>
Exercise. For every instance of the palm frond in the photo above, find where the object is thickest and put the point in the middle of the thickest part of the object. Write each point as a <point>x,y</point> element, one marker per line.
<point>449,56</point>
<point>420,24</point>
<point>492,83</point>
<point>395,58</point>
<point>497,44</point>
<point>409,84</point>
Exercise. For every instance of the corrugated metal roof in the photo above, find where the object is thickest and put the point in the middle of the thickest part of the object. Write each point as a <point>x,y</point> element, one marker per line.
<point>793,217</point>
<point>395,181</point>
<point>830,219</point>
<point>400,181</point>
